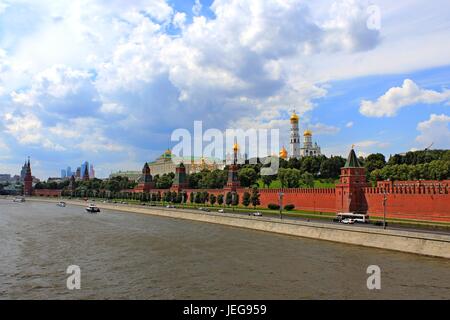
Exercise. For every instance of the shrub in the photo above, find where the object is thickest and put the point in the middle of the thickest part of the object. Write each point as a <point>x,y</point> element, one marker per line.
<point>289,207</point>
<point>273,206</point>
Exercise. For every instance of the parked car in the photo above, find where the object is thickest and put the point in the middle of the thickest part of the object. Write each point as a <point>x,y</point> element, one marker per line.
<point>204,209</point>
<point>170,206</point>
<point>348,221</point>
<point>221,210</point>
<point>255,214</point>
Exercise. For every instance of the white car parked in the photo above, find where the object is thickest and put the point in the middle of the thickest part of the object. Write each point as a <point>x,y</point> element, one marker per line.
<point>348,221</point>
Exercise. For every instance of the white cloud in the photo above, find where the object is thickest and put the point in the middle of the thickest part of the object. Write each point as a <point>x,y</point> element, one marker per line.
<point>349,124</point>
<point>197,8</point>
<point>59,89</point>
<point>27,129</point>
<point>320,128</point>
<point>371,143</point>
<point>398,97</point>
<point>3,6</point>
<point>113,108</point>
<point>436,131</point>
<point>179,19</point>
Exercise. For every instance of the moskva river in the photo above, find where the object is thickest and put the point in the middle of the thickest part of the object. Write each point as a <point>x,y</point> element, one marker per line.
<point>132,256</point>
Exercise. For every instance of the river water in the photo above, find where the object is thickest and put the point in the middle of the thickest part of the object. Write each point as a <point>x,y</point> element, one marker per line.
<point>133,256</point>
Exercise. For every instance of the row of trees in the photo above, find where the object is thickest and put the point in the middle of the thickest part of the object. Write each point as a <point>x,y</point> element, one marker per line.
<point>201,197</point>
<point>435,170</point>
<point>114,184</point>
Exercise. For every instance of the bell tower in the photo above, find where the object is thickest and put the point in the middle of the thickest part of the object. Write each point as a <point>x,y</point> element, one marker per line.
<point>295,137</point>
<point>349,191</point>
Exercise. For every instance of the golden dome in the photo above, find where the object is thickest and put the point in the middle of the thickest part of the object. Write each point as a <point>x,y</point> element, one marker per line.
<point>235,147</point>
<point>307,133</point>
<point>294,117</point>
<point>283,153</point>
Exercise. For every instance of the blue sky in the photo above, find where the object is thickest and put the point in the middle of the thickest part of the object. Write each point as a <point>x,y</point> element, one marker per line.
<point>108,81</point>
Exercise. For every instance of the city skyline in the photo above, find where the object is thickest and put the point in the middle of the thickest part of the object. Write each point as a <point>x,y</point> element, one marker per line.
<point>70,89</point>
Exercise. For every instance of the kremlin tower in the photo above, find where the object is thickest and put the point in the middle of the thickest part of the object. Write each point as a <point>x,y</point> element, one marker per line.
<point>28,180</point>
<point>295,137</point>
<point>233,180</point>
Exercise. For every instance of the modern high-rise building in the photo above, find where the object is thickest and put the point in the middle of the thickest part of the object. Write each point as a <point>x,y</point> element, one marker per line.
<point>91,171</point>
<point>63,173</point>
<point>83,166</point>
<point>69,172</point>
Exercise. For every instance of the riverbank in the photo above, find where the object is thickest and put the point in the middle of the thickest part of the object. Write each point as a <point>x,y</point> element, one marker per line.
<point>436,245</point>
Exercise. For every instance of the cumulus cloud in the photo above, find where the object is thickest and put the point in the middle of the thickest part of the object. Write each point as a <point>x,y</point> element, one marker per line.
<point>349,124</point>
<point>397,98</point>
<point>27,129</point>
<point>60,89</point>
<point>436,131</point>
<point>197,7</point>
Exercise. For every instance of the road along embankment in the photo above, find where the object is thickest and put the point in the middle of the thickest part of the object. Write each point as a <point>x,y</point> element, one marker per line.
<point>437,245</point>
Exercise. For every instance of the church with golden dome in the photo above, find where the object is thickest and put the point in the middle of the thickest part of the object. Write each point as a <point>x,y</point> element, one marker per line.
<point>295,150</point>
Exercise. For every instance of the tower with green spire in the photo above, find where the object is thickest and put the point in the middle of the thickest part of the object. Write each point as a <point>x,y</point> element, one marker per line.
<point>350,190</point>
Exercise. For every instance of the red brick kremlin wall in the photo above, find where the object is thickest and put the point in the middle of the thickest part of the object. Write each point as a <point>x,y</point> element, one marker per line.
<point>318,200</point>
<point>410,203</point>
<point>424,203</point>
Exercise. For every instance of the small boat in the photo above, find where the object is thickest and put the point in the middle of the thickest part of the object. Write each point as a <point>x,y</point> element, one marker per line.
<point>92,208</point>
<point>61,204</point>
<point>19,199</point>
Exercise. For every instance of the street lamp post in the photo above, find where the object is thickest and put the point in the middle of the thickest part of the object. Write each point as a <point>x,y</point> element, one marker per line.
<point>233,199</point>
<point>384,208</point>
<point>182,200</point>
<point>280,198</point>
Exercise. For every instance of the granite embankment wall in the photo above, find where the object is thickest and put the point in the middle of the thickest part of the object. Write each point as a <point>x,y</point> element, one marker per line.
<point>413,242</point>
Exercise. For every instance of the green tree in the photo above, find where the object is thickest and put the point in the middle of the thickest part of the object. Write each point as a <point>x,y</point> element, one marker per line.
<point>289,178</point>
<point>307,180</point>
<point>228,199</point>
<point>374,161</point>
<point>164,182</point>
<point>267,179</point>
<point>220,199</point>
<point>246,199</point>
<point>212,199</point>
<point>255,197</point>
<point>247,177</point>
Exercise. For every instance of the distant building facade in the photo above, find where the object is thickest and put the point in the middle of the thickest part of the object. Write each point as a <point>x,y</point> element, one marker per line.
<point>166,163</point>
